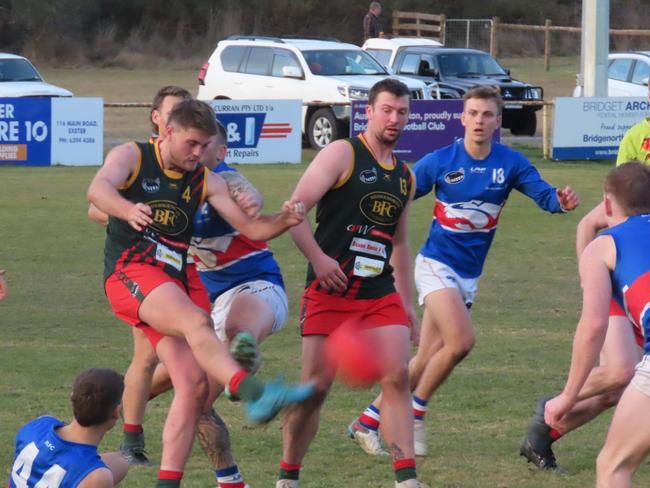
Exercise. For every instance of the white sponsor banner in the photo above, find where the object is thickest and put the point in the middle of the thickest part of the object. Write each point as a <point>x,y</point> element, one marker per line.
<point>261,131</point>
<point>77,131</point>
<point>592,128</point>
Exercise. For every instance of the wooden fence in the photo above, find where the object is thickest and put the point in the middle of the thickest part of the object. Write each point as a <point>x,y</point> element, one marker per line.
<point>433,26</point>
<point>419,25</point>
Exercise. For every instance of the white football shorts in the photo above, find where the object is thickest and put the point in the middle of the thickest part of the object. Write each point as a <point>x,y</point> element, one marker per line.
<point>432,275</point>
<point>641,378</point>
<point>272,294</point>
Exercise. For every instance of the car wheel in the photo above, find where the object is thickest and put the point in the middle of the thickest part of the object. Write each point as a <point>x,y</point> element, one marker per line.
<point>323,128</point>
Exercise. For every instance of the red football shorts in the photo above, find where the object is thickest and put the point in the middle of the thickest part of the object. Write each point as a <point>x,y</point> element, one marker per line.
<point>127,288</point>
<point>197,292</point>
<point>321,313</point>
<point>615,310</point>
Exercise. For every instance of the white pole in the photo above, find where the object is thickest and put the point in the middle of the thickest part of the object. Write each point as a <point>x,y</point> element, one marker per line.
<point>595,47</point>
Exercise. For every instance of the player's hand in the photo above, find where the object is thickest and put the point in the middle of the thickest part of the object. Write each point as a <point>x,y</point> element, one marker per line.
<point>293,212</point>
<point>568,198</point>
<point>249,204</point>
<point>415,325</point>
<point>329,274</point>
<point>556,408</point>
<point>139,216</point>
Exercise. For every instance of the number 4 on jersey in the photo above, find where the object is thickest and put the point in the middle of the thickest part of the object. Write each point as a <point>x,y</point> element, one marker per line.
<point>22,470</point>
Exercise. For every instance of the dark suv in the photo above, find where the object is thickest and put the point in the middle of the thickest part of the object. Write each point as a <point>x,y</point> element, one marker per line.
<point>458,70</point>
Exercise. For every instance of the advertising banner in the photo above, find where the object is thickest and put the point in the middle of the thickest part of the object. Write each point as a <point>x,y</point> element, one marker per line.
<point>43,131</point>
<point>261,131</point>
<point>592,128</point>
<point>432,124</point>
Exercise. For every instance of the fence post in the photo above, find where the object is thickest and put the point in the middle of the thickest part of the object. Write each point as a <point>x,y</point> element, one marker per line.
<point>493,37</point>
<point>443,29</point>
<point>547,45</point>
<point>417,25</point>
<point>546,134</point>
<point>395,23</point>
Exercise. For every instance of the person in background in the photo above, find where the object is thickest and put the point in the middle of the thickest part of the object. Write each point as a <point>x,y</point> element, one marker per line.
<point>371,24</point>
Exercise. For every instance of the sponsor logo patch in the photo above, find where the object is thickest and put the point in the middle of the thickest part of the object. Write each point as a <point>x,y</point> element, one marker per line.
<point>367,268</point>
<point>478,169</point>
<point>381,207</point>
<point>151,185</point>
<point>168,218</point>
<point>367,246</point>
<point>170,257</point>
<point>368,176</point>
<point>454,177</point>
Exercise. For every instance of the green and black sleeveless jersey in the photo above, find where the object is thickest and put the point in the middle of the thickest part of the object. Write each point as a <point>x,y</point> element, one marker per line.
<point>356,221</point>
<point>174,198</point>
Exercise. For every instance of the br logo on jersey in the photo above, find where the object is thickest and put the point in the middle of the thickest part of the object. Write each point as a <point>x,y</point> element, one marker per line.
<point>454,177</point>
<point>368,176</point>
<point>151,185</point>
<point>168,218</point>
<point>473,216</point>
<point>381,207</point>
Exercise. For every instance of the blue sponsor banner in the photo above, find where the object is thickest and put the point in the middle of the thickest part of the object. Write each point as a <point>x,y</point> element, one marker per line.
<point>41,131</point>
<point>432,124</point>
<point>593,128</point>
<point>25,136</point>
<point>242,130</point>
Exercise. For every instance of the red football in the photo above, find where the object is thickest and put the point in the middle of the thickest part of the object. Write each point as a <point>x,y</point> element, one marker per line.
<point>355,355</point>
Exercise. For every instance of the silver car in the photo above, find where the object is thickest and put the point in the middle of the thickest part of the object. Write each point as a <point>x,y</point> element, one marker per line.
<point>627,75</point>
<point>19,78</point>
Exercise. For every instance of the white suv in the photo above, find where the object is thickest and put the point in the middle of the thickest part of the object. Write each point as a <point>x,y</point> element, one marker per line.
<point>326,74</point>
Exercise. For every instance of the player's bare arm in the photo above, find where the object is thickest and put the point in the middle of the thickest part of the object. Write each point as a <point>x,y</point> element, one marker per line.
<point>249,199</point>
<point>97,215</point>
<point>401,260</point>
<point>120,163</point>
<point>329,167</point>
<point>99,478</point>
<point>589,226</point>
<point>262,228</point>
<point>596,263</point>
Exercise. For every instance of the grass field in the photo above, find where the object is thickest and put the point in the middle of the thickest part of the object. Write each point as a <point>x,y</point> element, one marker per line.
<point>56,321</point>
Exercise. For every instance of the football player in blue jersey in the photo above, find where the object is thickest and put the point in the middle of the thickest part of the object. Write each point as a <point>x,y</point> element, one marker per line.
<point>615,265</point>
<point>53,454</point>
<point>473,178</point>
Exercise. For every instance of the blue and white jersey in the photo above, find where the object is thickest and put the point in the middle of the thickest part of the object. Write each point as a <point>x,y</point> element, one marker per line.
<point>223,257</point>
<point>470,195</point>
<point>44,459</point>
<point>631,275</point>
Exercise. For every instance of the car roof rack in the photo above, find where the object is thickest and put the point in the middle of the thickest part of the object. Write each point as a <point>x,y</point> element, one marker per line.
<point>311,38</point>
<point>238,37</point>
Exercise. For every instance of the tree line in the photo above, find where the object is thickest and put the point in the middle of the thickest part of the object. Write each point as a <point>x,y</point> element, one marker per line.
<point>136,31</point>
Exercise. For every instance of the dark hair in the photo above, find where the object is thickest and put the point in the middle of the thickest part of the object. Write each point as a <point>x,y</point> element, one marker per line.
<point>222,137</point>
<point>629,184</point>
<point>194,114</point>
<point>486,93</point>
<point>390,85</point>
<point>95,394</point>
<point>159,98</point>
